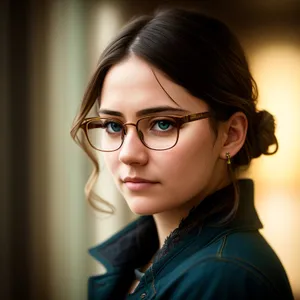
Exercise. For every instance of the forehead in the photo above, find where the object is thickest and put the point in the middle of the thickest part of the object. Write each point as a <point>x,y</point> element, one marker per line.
<point>131,85</point>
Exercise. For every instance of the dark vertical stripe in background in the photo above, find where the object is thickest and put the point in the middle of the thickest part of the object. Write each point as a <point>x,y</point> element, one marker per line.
<point>4,155</point>
<point>19,148</point>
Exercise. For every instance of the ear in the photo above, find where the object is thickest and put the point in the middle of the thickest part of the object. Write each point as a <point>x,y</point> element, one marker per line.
<point>235,131</point>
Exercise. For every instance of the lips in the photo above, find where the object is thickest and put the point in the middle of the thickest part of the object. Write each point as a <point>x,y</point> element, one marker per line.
<point>137,180</point>
<point>138,184</point>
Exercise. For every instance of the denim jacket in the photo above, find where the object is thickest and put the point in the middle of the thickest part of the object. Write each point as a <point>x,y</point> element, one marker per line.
<point>197,261</point>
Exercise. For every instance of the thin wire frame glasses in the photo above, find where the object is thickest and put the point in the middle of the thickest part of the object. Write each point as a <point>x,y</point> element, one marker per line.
<point>155,132</point>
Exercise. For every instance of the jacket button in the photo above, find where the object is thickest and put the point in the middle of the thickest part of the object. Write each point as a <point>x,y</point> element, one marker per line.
<point>143,296</point>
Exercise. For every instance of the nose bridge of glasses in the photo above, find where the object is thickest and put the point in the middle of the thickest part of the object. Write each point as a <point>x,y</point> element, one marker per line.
<point>139,132</point>
<point>128,124</point>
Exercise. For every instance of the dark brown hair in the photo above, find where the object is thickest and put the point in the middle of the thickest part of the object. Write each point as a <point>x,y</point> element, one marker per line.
<point>201,54</point>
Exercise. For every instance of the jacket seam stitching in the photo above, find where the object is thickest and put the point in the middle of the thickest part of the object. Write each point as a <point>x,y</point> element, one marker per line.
<point>153,280</point>
<point>220,251</point>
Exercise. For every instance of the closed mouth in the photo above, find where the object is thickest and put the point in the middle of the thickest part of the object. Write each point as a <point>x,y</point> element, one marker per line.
<point>137,180</point>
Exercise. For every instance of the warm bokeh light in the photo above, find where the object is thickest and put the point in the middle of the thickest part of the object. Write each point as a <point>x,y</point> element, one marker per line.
<point>279,210</point>
<point>276,68</point>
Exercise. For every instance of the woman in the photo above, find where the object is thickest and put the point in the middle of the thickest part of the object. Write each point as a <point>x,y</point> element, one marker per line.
<point>176,120</point>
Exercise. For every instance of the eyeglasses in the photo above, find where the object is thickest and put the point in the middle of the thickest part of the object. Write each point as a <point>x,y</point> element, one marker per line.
<point>155,132</point>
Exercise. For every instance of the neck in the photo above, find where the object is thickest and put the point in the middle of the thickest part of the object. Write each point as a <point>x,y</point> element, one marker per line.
<point>168,221</point>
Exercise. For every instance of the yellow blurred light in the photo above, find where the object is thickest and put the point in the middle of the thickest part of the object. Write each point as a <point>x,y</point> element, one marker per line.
<point>276,68</point>
<point>279,210</point>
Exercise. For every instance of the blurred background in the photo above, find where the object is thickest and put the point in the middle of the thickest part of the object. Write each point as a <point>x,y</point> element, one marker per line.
<point>49,49</point>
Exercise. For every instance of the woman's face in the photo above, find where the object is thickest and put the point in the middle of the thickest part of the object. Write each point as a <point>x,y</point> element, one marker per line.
<point>159,181</point>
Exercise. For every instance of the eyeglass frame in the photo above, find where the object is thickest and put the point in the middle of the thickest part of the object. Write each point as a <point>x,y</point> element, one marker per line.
<point>180,120</point>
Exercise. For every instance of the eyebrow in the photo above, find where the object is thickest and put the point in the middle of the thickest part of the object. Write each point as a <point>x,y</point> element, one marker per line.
<point>146,111</point>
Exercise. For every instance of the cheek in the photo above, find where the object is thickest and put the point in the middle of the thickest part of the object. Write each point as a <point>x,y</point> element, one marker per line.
<point>111,161</point>
<point>195,148</point>
<point>190,164</point>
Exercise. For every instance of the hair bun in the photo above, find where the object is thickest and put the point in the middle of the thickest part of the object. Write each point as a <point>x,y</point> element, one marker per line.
<point>265,134</point>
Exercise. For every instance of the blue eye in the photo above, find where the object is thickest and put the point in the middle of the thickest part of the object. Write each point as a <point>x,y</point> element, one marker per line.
<point>113,127</point>
<point>163,125</point>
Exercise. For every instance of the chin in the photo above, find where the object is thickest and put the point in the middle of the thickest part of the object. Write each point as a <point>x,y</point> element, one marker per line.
<point>143,207</point>
<point>143,211</point>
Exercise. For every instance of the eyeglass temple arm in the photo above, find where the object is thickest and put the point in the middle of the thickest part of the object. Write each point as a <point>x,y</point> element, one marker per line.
<point>83,124</point>
<point>195,117</point>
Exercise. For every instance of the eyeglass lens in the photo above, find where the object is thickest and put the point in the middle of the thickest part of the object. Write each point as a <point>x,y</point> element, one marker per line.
<point>155,132</point>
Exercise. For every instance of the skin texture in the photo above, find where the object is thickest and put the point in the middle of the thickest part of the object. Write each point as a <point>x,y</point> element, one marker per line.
<point>183,175</point>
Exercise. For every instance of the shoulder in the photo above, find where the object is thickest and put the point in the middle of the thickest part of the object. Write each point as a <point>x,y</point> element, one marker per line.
<point>215,277</point>
<point>237,266</point>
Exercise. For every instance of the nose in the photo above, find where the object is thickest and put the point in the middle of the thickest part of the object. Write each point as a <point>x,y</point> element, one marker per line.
<point>133,151</point>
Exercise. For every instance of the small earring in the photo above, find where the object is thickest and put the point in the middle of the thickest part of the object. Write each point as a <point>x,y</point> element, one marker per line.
<point>228,158</point>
